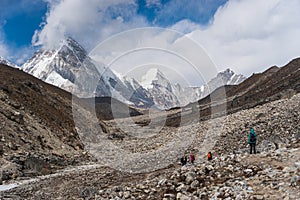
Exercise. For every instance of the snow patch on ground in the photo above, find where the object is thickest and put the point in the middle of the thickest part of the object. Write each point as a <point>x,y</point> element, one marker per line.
<point>7,187</point>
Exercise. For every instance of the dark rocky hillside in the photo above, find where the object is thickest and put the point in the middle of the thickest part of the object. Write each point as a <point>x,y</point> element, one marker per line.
<point>37,129</point>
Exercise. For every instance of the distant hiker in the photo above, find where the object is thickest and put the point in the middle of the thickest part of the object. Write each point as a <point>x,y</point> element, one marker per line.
<point>206,171</point>
<point>185,159</point>
<point>209,156</point>
<point>182,161</point>
<point>252,140</point>
<point>192,158</point>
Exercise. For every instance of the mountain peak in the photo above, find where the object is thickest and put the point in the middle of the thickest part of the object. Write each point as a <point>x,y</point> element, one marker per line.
<point>229,77</point>
<point>227,71</point>
<point>151,75</point>
<point>69,41</point>
<point>154,72</point>
<point>70,46</point>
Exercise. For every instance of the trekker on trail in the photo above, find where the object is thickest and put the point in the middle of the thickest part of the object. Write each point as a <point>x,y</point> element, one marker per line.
<point>185,159</point>
<point>252,141</point>
<point>182,161</point>
<point>192,158</point>
<point>209,156</point>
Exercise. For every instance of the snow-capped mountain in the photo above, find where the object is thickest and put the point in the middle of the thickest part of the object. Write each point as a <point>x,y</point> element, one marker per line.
<point>70,68</point>
<point>167,94</point>
<point>144,97</point>
<point>64,66</point>
<point>227,77</point>
<point>6,62</point>
<point>161,89</point>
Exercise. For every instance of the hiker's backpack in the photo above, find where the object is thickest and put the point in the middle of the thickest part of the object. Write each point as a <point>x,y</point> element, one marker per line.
<point>252,138</point>
<point>209,156</point>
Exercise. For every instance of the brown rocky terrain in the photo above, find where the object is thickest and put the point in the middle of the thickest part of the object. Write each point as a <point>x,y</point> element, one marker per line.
<point>39,136</point>
<point>273,173</point>
<point>37,130</point>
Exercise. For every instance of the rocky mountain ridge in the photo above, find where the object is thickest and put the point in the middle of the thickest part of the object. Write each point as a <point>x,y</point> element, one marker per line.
<point>167,94</point>
<point>70,68</point>
<point>273,84</point>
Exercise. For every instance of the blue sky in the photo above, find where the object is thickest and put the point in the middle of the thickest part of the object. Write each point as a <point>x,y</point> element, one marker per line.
<point>245,35</point>
<point>20,20</point>
<point>169,12</point>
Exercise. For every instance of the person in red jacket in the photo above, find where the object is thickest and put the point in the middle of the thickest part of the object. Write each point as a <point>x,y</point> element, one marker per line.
<point>209,156</point>
<point>192,158</point>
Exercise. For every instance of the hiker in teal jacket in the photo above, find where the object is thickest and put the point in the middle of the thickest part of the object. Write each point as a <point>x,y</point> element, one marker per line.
<point>252,140</point>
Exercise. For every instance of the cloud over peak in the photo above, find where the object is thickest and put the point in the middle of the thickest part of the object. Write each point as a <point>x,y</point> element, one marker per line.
<point>245,35</point>
<point>87,21</point>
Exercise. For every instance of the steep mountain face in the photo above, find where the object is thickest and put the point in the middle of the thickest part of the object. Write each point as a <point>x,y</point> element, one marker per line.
<point>70,68</point>
<point>63,66</point>
<point>6,62</point>
<point>140,95</point>
<point>161,89</point>
<point>192,94</point>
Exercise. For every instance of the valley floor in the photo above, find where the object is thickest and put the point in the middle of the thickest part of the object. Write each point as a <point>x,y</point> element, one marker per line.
<point>268,175</point>
<point>272,173</point>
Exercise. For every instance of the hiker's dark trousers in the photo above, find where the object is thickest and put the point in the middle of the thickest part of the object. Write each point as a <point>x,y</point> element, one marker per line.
<point>252,148</point>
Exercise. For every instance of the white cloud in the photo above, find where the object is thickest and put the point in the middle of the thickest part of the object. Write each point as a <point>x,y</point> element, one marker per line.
<point>87,21</point>
<point>22,54</point>
<point>186,26</point>
<point>245,35</point>
<point>16,56</point>
<point>133,52</point>
<point>252,35</point>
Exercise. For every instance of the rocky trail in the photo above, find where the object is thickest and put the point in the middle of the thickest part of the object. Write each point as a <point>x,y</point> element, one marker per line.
<point>63,172</point>
<point>268,175</point>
